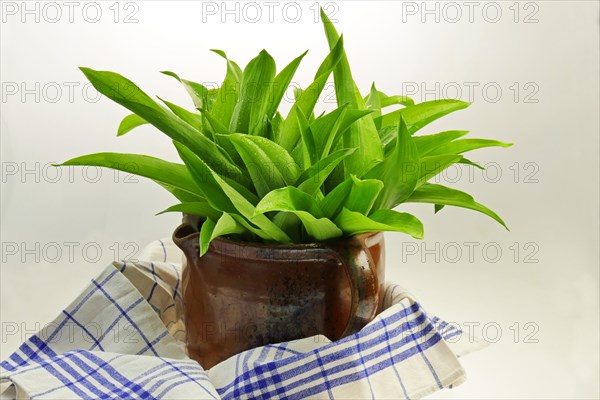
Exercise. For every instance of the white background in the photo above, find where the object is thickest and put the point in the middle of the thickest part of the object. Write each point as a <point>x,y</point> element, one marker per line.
<point>537,299</point>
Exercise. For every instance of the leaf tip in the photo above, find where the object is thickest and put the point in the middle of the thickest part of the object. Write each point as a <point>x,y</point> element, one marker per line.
<point>220,53</point>
<point>501,221</point>
<point>171,74</point>
<point>87,72</point>
<point>203,250</point>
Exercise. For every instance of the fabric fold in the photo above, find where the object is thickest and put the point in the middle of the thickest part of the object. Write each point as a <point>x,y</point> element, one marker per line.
<point>123,338</point>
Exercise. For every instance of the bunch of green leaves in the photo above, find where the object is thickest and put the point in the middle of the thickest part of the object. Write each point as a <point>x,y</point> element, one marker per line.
<point>251,173</point>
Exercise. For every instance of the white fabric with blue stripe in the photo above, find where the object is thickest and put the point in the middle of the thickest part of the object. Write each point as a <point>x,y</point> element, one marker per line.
<point>122,338</point>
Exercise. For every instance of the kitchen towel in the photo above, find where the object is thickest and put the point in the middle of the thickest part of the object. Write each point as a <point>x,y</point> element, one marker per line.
<point>123,338</point>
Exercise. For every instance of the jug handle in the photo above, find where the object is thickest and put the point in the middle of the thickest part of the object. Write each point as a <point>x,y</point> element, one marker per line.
<point>364,283</point>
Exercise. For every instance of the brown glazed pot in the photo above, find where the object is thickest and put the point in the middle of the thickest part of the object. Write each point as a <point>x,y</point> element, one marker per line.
<point>243,295</point>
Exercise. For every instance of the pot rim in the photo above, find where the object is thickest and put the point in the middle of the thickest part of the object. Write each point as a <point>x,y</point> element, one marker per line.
<point>185,232</point>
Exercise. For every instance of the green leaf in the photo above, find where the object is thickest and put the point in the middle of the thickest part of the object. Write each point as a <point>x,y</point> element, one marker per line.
<point>466,161</point>
<point>437,208</point>
<point>326,129</point>
<point>309,151</point>
<point>160,171</point>
<point>182,195</point>
<point>419,115</point>
<point>248,195</point>
<point>442,195</point>
<point>205,180</point>
<point>313,178</point>
<point>119,88</point>
<point>206,231</point>
<point>427,143</point>
<point>464,145</point>
<point>350,116</point>
<point>222,54</point>
<point>288,199</point>
<point>388,135</point>
<point>336,53</point>
<point>200,208</point>
<point>219,129</point>
<point>214,123</point>
<point>224,197</point>
<point>197,91</point>
<point>130,122</point>
<point>255,231</point>
<point>384,100</point>
<point>334,201</point>
<point>281,83</point>
<point>225,225</point>
<point>212,98</point>
<point>354,223</point>
<point>126,93</point>
<point>306,99</point>
<point>297,93</point>
<point>191,118</point>
<point>305,207</point>
<point>398,172</point>
<point>363,133</point>
<point>374,101</point>
<point>269,165</point>
<point>249,115</point>
<point>320,229</point>
<point>433,165</point>
<point>387,101</point>
<point>251,227</point>
<point>229,92</point>
<point>275,125</point>
<point>363,194</point>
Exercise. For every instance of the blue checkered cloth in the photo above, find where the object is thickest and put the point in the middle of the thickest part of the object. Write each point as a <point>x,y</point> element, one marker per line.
<point>123,338</point>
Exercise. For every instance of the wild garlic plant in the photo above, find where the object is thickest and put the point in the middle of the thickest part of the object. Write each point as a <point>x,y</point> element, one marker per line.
<point>252,174</point>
